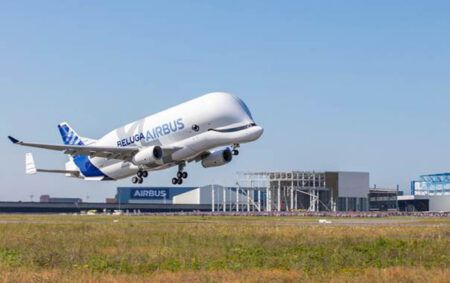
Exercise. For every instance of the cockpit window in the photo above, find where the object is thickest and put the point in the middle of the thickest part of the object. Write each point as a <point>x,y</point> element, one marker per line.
<point>244,107</point>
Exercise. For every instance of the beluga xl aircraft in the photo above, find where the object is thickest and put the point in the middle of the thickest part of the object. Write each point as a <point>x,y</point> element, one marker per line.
<point>208,129</point>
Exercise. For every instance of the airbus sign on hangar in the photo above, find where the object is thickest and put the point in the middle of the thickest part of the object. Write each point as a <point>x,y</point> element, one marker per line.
<point>174,195</point>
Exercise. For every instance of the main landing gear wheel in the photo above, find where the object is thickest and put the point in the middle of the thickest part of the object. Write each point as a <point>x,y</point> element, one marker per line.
<point>182,175</point>
<point>139,178</point>
<point>142,174</point>
<point>235,150</point>
<point>178,180</point>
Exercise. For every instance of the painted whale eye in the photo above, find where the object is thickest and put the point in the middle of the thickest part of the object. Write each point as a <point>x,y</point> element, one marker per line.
<point>196,128</point>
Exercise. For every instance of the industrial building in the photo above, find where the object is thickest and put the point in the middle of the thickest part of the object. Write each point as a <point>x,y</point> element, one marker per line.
<point>435,189</point>
<point>178,195</point>
<point>309,190</point>
<point>412,203</point>
<point>48,199</point>
<point>215,196</point>
<point>266,191</point>
<point>384,199</point>
<point>300,191</point>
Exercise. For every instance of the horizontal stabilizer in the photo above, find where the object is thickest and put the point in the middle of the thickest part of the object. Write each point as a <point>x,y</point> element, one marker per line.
<point>30,168</point>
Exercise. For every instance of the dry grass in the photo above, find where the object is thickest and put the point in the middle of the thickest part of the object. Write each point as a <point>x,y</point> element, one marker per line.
<point>393,274</point>
<point>215,249</point>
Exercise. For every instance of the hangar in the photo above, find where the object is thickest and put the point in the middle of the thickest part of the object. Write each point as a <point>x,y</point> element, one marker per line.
<point>266,191</point>
<point>434,189</point>
<point>215,196</point>
<point>309,190</point>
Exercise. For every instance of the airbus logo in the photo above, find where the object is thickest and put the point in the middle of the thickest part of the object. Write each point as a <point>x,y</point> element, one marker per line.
<point>149,193</point>
<point>153,134</point>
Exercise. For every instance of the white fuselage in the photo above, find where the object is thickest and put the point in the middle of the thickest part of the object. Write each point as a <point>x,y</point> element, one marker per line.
<point>193,127</point>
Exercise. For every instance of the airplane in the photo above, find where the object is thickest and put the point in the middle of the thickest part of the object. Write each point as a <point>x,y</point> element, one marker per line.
<point>208,129</point>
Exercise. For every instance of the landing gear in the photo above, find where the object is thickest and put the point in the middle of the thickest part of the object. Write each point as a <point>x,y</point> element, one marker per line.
<point>182,175</point>
<point>178,180</point>
<point>235,150</point>
<point>139,178</point>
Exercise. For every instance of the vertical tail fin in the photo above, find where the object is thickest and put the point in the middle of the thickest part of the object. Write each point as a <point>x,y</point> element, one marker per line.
<point>69,136</point>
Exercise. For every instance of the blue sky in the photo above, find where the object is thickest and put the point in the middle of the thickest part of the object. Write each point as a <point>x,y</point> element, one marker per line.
<point>337,85</point>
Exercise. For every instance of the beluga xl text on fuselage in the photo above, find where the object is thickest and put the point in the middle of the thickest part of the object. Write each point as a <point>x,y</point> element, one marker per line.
<point>208,129</point>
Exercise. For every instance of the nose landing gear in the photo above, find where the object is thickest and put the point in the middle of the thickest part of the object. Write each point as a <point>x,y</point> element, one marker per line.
<point>235,150</point>
<point>139,178</point>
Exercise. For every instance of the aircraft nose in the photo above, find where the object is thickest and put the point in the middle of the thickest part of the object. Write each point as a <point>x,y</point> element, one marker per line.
<point>255,133</point>
<point>258,131</point>
<point>251,134</point>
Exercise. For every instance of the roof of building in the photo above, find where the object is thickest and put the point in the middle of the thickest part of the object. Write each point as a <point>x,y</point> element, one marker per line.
<point>436,178</point>
<point>412,197</point>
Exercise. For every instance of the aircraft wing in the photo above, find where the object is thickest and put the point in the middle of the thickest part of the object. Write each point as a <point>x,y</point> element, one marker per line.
<point>122,153</point>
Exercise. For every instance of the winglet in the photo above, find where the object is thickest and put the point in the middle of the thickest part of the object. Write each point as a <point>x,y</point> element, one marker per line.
<point>13,140</point>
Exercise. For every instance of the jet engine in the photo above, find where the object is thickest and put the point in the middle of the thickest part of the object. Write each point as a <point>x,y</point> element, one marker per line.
<point>148,155</point>
<point>217,158</point>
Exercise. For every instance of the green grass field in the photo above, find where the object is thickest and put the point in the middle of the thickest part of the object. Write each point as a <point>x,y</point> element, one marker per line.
<point>72,248</point>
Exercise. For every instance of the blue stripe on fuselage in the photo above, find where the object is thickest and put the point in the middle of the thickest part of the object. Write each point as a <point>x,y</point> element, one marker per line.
<point>86,167</point>
<point>81,161</point>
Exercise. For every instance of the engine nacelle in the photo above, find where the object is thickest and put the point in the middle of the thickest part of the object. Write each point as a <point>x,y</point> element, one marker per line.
<point>148,155</point>
<point>218,158</point>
